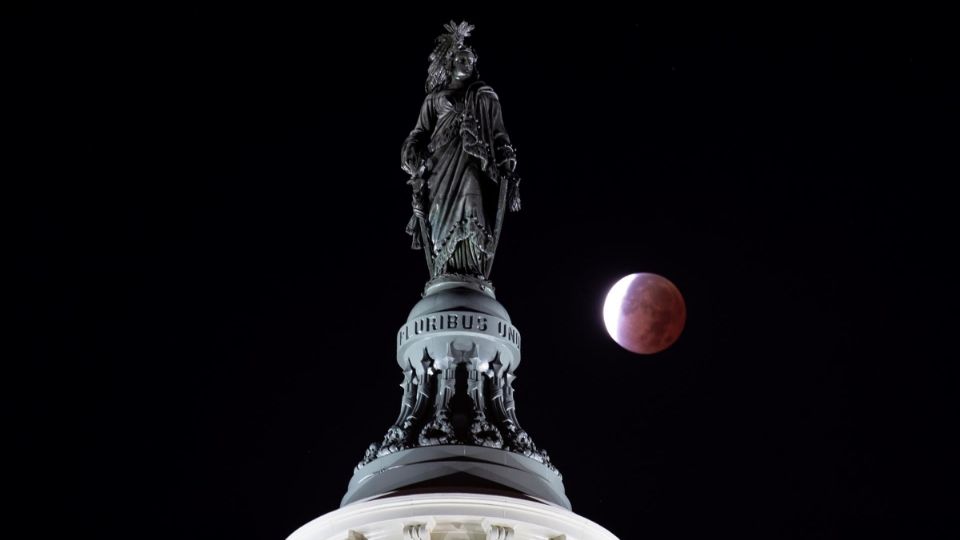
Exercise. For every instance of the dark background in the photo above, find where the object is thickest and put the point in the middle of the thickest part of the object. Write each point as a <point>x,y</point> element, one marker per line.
<point>210,266</point>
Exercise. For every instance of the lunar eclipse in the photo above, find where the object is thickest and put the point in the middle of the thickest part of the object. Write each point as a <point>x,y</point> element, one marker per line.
<point>644,313</point>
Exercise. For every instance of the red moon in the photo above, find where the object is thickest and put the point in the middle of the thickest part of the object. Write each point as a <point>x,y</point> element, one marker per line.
<point>644,313</point>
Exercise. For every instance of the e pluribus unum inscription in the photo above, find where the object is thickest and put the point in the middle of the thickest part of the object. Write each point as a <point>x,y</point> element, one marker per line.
<point>459,322</point>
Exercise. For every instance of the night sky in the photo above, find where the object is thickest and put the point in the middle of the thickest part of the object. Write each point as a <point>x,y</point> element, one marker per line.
<point>211,266</point>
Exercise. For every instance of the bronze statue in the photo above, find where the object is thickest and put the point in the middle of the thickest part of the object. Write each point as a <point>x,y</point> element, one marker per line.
<point>461,164</point>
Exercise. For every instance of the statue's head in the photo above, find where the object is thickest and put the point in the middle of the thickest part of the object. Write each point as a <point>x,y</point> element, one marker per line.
<point>462,64</point>
<point>451,59</point>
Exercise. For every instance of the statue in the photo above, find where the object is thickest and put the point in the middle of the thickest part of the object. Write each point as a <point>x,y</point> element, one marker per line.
<point>461,164</point>
<point>458,349</point>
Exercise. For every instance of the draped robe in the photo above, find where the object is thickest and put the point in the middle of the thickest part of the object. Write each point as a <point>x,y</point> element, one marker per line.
<point>461,139</point>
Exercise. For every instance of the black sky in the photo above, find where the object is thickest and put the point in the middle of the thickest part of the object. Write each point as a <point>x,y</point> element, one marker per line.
<point>211,265</point>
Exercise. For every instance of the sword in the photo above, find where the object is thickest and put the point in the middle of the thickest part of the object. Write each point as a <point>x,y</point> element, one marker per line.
<point>506,183</point>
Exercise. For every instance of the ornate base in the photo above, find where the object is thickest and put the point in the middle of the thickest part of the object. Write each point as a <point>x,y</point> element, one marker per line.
<point>464,468</point>
<point>458,351</point>
<point>463,397</point>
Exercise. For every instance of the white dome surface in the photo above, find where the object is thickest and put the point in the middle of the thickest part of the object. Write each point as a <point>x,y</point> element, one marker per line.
<point>451,516</point>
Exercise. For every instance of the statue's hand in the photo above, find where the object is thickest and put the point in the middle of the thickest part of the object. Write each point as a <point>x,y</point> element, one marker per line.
<point>507,159</point>
<point>416,183</point>
<point>418,204</point>
<point>410,159</point>
<point>409,166</point>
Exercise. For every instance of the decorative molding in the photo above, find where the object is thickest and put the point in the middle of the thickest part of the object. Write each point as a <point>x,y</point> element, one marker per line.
<point>500,532</point>
<point>433,413</point>
<point>416,532</point>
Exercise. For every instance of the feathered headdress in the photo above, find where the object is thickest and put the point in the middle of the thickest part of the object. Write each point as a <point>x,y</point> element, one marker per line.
<point>438,73</point>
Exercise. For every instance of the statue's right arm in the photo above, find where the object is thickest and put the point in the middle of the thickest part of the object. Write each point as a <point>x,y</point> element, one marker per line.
<point>415,145</point>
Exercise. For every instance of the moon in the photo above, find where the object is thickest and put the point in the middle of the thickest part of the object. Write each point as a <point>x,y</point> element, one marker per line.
<point>644,313</point>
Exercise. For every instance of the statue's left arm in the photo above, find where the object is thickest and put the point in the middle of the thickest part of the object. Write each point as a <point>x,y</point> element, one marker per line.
<point>504,155</point>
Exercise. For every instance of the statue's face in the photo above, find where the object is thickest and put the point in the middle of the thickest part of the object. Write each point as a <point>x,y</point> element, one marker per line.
<point>463,62</point>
